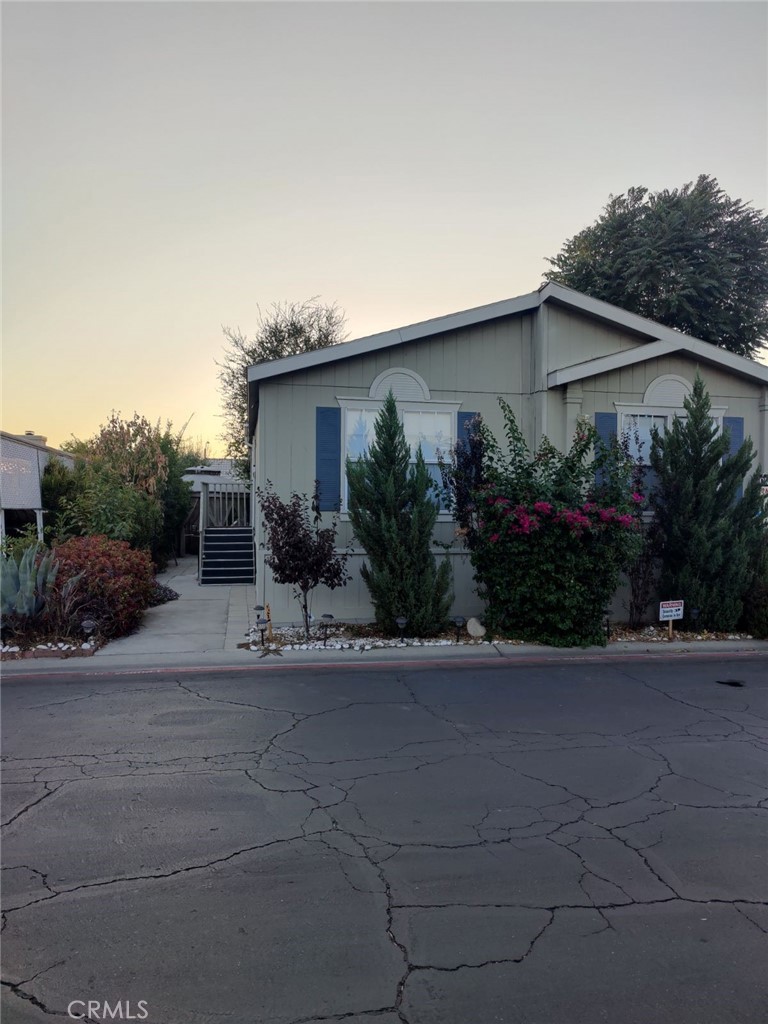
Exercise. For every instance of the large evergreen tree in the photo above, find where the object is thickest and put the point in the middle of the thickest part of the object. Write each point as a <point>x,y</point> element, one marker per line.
<point>393,511</point>
<point>691,258</point>
<point>707,537</point>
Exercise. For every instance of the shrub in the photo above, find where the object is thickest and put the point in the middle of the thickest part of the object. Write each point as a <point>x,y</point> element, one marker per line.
<point>708,538</point>
<point>16,545</point>
<point>36,603</point>
<point>393,511</point>
<point>755,617</point>
<point>118,581</point>
<point>25,585</point>
<point>105,506</point>
<point>300,552</point>
<point>546,539</point>
<point>548,569</point>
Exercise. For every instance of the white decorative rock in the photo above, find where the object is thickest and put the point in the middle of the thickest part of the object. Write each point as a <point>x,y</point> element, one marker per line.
<point>475,628</point>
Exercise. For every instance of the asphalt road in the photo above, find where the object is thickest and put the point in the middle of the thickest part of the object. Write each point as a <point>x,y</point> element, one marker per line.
<point>562,843</point>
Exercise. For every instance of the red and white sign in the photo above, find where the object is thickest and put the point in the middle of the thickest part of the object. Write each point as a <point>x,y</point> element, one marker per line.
<point>669,610</point>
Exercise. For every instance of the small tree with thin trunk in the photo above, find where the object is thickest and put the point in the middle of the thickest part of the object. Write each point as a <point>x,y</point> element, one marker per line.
<point>301,552</point>
<point>393,511</point>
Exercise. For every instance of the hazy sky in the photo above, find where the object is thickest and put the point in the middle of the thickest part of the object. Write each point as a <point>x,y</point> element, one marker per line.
<point>169,167</point>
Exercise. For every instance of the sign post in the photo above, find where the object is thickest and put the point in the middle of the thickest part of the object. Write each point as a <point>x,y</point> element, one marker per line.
<point>669,611</point>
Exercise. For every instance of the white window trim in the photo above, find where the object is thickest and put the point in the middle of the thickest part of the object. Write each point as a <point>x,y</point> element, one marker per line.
<point>346,403</point>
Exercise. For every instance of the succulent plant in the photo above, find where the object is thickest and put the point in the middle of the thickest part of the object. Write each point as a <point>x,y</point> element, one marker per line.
<point>25,586</point>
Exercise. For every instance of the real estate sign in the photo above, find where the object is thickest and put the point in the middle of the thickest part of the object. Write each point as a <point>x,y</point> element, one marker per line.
<point>669,610</point>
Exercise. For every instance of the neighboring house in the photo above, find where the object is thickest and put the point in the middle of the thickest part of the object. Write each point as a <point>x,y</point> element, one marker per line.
<point>554,355</point>
<point>23,457</point>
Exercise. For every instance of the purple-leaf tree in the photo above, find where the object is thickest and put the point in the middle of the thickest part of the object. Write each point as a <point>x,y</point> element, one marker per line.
<point>301,552</point>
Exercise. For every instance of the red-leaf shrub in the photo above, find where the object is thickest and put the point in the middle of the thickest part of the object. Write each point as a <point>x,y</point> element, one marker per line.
<point>118,581</point>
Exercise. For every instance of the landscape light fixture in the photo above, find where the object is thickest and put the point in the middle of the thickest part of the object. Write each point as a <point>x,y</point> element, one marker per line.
<point>88,627</point>
<point>327,620</point>
<point>459,621</point>
<point>261,625</point>
<point>695,613</point>
<point>401,622</point>
<point>607,613</point>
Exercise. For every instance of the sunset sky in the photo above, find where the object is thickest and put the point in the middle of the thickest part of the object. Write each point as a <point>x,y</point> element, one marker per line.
<point>170,167</point>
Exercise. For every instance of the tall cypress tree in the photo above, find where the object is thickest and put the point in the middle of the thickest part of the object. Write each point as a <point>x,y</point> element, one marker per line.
<point>393,513</point>
<point>706,536</point>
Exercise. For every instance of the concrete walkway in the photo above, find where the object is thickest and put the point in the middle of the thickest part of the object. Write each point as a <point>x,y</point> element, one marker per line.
<point>204,620</point>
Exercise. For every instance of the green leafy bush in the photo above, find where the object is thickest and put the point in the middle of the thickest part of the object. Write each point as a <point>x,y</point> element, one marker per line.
<point>118,581</point>
<point>546,540</point>
<point>15,545</point>
<point>105,506</point>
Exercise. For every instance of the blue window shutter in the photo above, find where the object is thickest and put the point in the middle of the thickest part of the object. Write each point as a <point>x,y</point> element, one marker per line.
<point>606,424</point>
<point>462,425</point>
<point>735,424</point>
<point>328,457</point>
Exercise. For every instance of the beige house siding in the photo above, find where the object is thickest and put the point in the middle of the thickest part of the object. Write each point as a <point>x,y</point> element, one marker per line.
<point>576,338</point>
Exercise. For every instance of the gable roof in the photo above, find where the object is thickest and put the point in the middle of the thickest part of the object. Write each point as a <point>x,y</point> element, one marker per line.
<point>660,341</point>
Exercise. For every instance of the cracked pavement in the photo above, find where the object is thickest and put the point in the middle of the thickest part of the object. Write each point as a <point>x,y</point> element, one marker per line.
<point>524,843</point>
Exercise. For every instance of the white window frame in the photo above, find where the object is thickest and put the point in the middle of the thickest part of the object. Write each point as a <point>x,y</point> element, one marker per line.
<point>375,404</point>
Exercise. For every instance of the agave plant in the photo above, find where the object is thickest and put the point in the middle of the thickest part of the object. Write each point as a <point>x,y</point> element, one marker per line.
<point>25,586</point>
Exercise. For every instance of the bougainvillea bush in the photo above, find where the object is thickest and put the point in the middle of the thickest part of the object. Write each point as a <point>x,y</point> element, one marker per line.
<point>548,532</point>
<point>118,582</point>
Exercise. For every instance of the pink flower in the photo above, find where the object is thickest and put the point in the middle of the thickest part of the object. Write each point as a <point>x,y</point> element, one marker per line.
<point>637,497</point>
<point>607,514</point>
<point>543,507</point>
<point>494,537</point>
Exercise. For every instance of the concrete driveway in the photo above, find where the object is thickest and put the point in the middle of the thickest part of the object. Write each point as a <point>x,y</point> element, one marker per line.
<point>533,844</point>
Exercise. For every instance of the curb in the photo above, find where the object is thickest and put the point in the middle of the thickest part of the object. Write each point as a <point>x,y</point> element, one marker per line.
<point>378,658</point>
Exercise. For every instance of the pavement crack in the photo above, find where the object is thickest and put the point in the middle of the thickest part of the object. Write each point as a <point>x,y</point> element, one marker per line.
<point>34,803</point>
<point>189,869</point>
<point>28,997</point>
